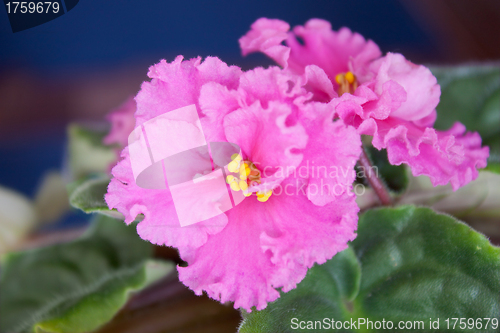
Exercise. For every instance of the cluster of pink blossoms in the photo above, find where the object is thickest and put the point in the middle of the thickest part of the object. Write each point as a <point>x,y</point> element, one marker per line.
<point>332,87</point>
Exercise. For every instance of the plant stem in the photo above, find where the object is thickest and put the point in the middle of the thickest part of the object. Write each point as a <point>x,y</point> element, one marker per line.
<point>375,182</point>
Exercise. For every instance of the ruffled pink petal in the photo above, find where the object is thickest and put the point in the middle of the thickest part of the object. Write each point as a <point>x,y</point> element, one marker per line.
<point>267,246</point>
<point>269,84</point>
<point>315,237</point>
<point>266,36</point>
<point>122,123</point>
<point>319,84</point>
<point>178,84</point>
<point>334,52</point>
<point>262,85</point>
<point>266,139</point>
<point>377,106</point>
<point>216,101</point>
<point>331,153</point>
<point>422,90</point>
<point>160,224</point>
<point>451,156</point>
<point>427,121</point>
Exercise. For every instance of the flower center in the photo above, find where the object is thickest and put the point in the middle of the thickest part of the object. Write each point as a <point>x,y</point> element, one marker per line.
<point>347,83</point>
<point>246,174</point>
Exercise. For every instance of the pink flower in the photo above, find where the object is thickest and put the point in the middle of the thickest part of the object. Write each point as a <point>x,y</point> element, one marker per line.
<point>296,215</point>
<point>173,85</point>
<point>122,123</point>
<point>387,97</point>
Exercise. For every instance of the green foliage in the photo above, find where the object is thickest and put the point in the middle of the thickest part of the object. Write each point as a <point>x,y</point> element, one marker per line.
<point>477,200</point>
<point>395,177</point>
<point>86,152</point>
<point>88,193</point>
<point>418,264</point>
<point>471,95</point>
<point>320,295</point>
<point>76,286</point>
<point>411,263</point>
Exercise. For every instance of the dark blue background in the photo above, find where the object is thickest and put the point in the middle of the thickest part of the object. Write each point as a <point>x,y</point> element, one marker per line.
<point>100,34</point>
<point>97,36</point>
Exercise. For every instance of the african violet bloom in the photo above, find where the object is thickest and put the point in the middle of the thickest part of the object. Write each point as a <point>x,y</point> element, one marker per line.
<point>387,97</point>
<point>296,170</point>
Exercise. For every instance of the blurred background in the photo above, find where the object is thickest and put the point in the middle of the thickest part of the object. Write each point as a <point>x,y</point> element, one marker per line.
<point>81,65</point>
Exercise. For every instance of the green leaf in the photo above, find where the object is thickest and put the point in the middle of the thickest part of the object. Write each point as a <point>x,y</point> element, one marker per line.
<point>323,293</point>
<point>76,286</point>
<point>88,193</point>
<point>86,153</point>
<point>471,95</point>
<point>416,265</point>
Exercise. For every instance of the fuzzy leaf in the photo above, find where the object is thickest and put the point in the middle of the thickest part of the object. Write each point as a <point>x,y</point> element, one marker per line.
<point>416,264</point>
<point>88,193</point>
<point>320,295</point>
<point>76,286</point>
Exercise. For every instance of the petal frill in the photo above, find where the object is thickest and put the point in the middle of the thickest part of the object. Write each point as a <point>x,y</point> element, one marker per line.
<point>333,51</point>
<point>266,139</point>
<point>267,246</point>
<point>445,156</point>
<point>318,83</point>
<point>160,224</point>
<point>269,84</point>
<point>330,156</point>
<point>178,84</point>
<point>266,36</point>
<point>422,90</point>
<point>309,235</point>
<point>257,85</point>
<point>216,101</point>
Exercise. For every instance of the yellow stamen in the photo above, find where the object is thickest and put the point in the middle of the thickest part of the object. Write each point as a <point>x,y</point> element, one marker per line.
<point>263,196</point>
<point>349,77</point>
<point>244,172</point>
<point>235,187</point>
<point>242,168</point>
<point>347,83</point>
<point>233,166</point>
<point>236,157</point>
<point>247,173</point>
<point>339,78</point>
<point>229,179</point>
<point>243,185</point>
